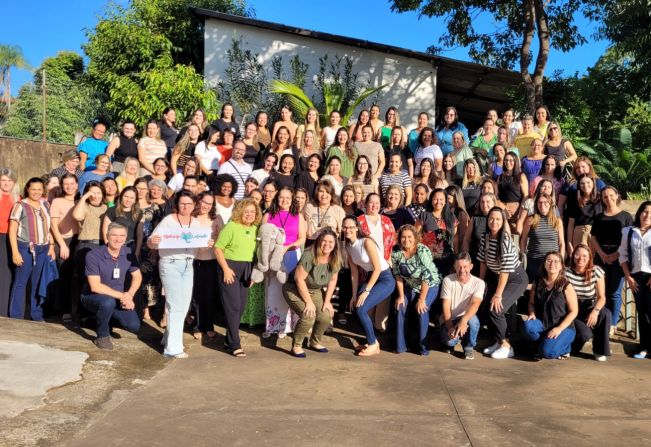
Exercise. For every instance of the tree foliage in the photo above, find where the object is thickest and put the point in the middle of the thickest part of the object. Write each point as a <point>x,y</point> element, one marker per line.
<point>10,56</point>
<point>71,103</point>
<point>151,52</point>
<point>508,44</point>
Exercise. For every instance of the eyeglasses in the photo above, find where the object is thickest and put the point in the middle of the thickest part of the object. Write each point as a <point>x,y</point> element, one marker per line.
<point>552,261</point>
<point>206,203</point>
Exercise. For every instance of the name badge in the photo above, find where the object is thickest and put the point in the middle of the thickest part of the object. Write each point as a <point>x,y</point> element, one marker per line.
<point>116,273</point>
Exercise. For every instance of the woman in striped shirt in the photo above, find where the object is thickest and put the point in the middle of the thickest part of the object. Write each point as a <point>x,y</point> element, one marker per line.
<point>505,278</point>
<point>542,233</point>
<point>594,319</point>
<point>31,244</point>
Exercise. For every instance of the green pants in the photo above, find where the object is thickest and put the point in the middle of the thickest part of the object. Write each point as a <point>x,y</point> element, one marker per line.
<point>319,323</point>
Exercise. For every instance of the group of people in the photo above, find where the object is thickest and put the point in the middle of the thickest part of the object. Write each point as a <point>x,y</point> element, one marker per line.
<point>309,225</point>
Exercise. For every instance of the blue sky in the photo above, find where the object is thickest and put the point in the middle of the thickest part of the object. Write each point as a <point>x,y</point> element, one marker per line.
<point>42,28</point>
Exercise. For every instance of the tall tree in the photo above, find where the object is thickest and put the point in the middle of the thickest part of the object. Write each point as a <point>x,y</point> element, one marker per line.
<point>627,24</point>
<point>71,104</point>
<point>510,42</point>
<point>134,48</point>
<point>10,56</point>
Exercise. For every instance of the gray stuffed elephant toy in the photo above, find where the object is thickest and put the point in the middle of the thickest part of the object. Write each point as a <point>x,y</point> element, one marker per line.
<point>270,253</point>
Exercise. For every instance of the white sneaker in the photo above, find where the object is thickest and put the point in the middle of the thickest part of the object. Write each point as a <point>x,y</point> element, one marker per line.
<point>600,358</point>
<point>491,349</point>
<point>503,353</point>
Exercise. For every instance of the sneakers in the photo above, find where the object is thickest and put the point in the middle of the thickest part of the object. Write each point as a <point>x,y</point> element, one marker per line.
<point>600,358</point>
<point>640,355</point>
<point>468,354</point>
<point>491,349</point>
<point>503,352</point>
<point>104,343</point>
<point>180,355</point>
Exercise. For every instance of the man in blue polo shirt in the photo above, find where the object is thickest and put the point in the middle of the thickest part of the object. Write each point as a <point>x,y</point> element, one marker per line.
<point>105,294</point>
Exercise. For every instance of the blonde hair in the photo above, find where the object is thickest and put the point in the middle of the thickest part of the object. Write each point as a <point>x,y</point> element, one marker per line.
<point>11,174</point>
<point>238,211</point>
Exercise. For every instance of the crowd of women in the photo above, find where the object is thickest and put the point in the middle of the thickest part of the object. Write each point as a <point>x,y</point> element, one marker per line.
<point>367,216</point>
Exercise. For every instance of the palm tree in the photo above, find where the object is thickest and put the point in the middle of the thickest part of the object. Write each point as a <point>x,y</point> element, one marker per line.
<point>10,56</point>
<point>333,98</point>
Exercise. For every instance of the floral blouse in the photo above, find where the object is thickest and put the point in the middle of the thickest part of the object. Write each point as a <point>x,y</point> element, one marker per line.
<point>413,271</point>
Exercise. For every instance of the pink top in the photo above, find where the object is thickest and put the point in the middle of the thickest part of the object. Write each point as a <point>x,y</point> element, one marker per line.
<point>288,223</point>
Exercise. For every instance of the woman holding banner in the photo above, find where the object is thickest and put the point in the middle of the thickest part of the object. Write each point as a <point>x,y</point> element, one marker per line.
<point>176,269</point>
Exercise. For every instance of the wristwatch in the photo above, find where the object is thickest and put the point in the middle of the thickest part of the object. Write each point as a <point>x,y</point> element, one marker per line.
<point>367,290</point>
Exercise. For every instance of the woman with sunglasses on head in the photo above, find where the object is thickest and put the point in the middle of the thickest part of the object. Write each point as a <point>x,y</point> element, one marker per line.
<point>553,306</point>
<point>363,253</point>
<point>506,279</point>
<point>558,147</point>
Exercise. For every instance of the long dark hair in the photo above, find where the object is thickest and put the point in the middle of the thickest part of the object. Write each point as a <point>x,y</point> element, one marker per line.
<point>446,213</point>
<point>274,209</point>
<point>512,176</point>
<point>502,235</point>
<point>368,178</point>
<point>212,214</point>
<point>638,213</point>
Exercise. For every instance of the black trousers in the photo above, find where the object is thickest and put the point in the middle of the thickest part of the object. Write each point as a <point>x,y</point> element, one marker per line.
<point>599,334</point>
<point>234,297</point>
<point>64,292</point>
<point>204,295</point>
<point>643,306</point>
<point>515,287</point>
<point>6,274</point>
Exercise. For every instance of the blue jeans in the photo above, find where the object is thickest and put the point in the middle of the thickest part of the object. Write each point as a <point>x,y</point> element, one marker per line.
<point>549,348</point>
<point>105,308</point>
<point>381,290</point>
<point>407,315</point>
<point>614,278</point>
<point>469,340</point>
<point>177,276</point>
<point>29,271</point>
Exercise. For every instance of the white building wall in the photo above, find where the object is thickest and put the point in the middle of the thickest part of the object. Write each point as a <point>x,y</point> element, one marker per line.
<point>411,83</point>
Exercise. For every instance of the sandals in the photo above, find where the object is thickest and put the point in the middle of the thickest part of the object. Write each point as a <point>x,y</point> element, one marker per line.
<point>197,335</point>
<point>564,356</point>
<point>369,351</point>
<point>239,352</point>
<point>211,334</point>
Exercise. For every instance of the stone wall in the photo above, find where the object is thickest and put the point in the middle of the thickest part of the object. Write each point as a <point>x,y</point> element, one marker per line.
<point>30,158</point>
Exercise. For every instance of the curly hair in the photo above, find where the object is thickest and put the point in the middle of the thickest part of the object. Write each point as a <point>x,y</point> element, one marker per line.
<point>238,211</point>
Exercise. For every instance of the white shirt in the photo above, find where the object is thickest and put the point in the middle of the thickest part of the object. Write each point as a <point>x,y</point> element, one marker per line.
<point>640,246</point>
<point>176,182</point>
<point>209,156</point>
<point>461,295</point>
<point>240,171</point>
<point>360,257</point>
<point>260,175</point>
<point>170,221</point>
<point>432,152</point>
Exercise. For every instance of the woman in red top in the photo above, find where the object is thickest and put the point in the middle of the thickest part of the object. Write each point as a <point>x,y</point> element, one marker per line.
<point>8,196</point>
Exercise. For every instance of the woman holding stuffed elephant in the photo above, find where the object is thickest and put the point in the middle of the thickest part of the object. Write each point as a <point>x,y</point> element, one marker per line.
<point>283,217</point>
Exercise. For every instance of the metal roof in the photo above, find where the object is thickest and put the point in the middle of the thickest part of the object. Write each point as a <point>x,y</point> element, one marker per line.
<point>472,88</point>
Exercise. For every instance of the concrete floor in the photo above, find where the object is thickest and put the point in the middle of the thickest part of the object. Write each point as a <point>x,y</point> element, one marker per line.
<point>337,399</point>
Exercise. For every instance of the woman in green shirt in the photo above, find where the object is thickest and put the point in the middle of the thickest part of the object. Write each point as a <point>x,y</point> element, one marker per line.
<point>417,282</point>
<point>344,149</point>
<point>234,251</point>
<point>310,292</point>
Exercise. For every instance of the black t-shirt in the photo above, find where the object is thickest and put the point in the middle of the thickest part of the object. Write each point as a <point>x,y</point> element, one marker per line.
<point>305,180</point>
<point>223,125</point>
<point>400,217</point>
<point>405,156</point>
<point>125,220</point>
<point>283,180</point>
<point>471,195</point>
<point>168,135</point>
<point>608,230</point>
<point>250,155</point>
<point>128,148</point>
<point>582,215</point>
